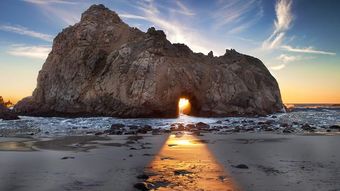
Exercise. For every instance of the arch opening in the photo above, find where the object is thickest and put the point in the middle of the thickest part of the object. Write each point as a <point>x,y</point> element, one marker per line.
<point>184,106</point>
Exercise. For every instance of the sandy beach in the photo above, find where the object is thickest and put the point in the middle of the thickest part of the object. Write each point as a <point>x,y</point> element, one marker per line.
<point>244,161</point>
<point>176,95</point>
<point>280,162</point>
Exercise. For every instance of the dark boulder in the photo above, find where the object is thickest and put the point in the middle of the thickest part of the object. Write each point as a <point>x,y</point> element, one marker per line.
<point>241,166</point>
<point>288,130</point>
<point>307,127</point>
<point>335,127</point>
<point>7,114</point>
<point>201,125</point>
<point>117,126</point>
<point>143,186</point>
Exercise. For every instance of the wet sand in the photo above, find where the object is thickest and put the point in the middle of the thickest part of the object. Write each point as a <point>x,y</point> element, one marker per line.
<point>107,165</point>
<point>279,162</point>
<point>185,163</point>
<point>209,162</point>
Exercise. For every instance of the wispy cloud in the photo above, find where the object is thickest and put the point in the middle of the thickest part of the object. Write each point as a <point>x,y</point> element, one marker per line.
<point>66,11</point>
<point>243,26</point>
<point>236,15</point>
<point>39,52</point>
<point>283,22</point>
<point>132,16</point>
<point>247,40</point>
<point>231,11</point>
<point>176,30</point>
<point>309,50</point>
<point>51,1</point>
<point>277,67</point>
<point>183,9</point>
<point>66,16</point>
<point>286,58</point>
<point>27,32</point>
<point>284,15</point>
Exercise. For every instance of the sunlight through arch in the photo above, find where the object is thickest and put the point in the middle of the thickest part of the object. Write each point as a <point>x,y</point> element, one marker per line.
<point>184,106</point>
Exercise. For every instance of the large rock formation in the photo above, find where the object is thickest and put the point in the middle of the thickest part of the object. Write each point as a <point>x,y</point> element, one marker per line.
<point>102,67</point>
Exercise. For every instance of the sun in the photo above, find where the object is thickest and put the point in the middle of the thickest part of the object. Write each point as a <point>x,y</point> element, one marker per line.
<point>184,106</point>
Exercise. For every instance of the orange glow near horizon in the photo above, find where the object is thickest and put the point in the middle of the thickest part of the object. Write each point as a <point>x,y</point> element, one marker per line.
<point>184,106</point>
<point>13,99</point>
<point>310,94</point>
<point>287,98</point>
<point>290,94</point>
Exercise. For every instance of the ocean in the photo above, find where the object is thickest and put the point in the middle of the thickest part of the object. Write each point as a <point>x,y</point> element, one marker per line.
<point>320,116</point>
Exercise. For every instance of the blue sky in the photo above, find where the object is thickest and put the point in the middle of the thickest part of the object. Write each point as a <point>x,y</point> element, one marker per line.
<point>298,40</point>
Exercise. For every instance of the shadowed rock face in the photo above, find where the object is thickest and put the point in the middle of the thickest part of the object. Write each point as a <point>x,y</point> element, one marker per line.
<point>102,67</point>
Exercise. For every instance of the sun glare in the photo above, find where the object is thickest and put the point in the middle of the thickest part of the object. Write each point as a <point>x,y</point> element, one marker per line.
<point>184,106</point>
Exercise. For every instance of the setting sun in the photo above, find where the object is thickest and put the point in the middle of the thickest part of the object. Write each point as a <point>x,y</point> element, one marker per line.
<point>184,106</point>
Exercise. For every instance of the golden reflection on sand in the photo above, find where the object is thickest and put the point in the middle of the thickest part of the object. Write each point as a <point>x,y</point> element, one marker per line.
<point>185,163</point>
<point>15,146</point>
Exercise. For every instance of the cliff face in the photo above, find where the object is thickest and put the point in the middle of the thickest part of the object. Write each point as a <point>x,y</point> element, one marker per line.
<point>102,67</point>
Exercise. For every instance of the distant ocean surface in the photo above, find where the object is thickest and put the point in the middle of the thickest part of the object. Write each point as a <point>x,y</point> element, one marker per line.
<point>318,115</point>
<point>320,107</point>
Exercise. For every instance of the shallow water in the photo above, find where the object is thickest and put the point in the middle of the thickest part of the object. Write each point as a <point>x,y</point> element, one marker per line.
<point>55,126</point>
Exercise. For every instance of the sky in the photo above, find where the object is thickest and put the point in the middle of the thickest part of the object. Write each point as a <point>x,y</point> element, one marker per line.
<point>298,40</point>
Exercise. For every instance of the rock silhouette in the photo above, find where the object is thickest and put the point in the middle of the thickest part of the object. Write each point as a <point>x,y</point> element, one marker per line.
<point>5,113</point>
<point>102,67</point>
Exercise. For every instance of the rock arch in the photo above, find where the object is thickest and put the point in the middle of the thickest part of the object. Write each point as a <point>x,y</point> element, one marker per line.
<point>102,67</point>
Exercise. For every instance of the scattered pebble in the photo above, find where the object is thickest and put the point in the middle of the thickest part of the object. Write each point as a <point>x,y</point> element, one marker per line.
<point>241,166</point>
<point>143,186</point>
<point>67,157</point>
<point>182,172</point>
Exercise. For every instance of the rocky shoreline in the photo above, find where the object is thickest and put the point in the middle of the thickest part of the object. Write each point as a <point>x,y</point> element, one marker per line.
<point>224,126</point>
<point>200,127</point>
